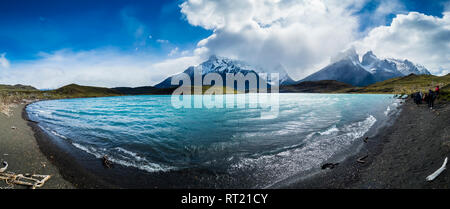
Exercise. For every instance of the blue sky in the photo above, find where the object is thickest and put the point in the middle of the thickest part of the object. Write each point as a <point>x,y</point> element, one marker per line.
<point>158,30</point>
<point>434,8</point>
<point>28,27</point>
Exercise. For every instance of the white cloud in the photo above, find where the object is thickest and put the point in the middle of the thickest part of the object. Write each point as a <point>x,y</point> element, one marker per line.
<point>162,41</point>
<point>176,52</point>
<point>300,35</point>
<point>106,68</point>
<point>173,52</point>
<point>4,63</point>
<point>417,37</point>
<point>173,66</point>
<point>185,52</point>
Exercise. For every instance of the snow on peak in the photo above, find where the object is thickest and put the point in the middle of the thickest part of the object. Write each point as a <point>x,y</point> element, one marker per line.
<point>349,54</point>
<point>406,67</point>
<point>218,64</point>
<point>371,63</point>
<point>369,59</point>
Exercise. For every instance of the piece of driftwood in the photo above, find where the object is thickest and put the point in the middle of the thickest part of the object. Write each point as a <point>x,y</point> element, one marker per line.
<point>32,180</point>
<point>329,165</point>
<point>362,159</point>
<point>366,139</point>
<point>5,166</point>
<point>106,162</point>
<point>437,172</point>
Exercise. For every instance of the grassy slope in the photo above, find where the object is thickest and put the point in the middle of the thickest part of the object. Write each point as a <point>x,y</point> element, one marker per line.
<point>407,85</point>
<point>16,88</point>
<point>445,93</point>
<point>11,95</point>
<point>77,91</point>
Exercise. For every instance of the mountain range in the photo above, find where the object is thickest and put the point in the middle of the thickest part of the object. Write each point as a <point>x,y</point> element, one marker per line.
<point>346,67</point>
<point>222,66</point>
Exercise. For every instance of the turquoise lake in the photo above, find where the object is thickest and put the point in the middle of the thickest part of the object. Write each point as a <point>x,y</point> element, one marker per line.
<point>150,134</point>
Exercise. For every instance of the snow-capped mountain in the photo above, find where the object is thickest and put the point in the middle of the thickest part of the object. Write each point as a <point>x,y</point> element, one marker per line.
<point>222,66</point>
<point>346,67</point>
<point>406,67</point>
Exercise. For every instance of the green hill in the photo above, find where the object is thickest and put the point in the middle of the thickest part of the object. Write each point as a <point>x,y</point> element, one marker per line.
<point>77,91</point>
<point>407,85</point>
<point>17,87</point>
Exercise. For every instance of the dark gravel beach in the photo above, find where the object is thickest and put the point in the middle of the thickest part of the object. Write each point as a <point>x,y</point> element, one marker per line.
<point>399,157</point>
<point>18,147</point>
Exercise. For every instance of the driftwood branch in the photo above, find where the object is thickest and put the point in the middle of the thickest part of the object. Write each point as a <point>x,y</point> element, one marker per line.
<point>362,159</point>
<point>32,180</point>
<point>5,164</point>
<point>437,172</point>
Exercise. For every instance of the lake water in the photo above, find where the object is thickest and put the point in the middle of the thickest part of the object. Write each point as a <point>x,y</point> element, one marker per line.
<point>149,133</point>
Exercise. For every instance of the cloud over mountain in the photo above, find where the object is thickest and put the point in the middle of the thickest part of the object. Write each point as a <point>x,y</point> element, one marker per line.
<point>301,35</point>
<point>418,37</point>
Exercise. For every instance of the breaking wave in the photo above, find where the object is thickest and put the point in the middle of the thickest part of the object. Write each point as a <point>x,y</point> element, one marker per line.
<point>279,166</point>
<point>123,157</point>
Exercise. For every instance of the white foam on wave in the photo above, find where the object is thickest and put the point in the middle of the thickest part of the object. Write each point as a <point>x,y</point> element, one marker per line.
<point>87,149</point>
<point>57,134</point>
<point>388,110</point>
<point>130,153</point>
<point>332,130</point>
<point>44,113</point>
<point>130,159</point>
<point>270,169</point>
<point>392,107</point>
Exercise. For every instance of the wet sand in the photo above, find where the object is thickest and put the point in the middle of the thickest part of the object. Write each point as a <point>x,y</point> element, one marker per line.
<point>19,148</point>
<point>399,157</point>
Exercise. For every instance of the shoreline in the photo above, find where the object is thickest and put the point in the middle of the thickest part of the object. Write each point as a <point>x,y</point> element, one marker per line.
<point>348,174</point>
<point>400,156</point>
<point>19,148</point>
<point>69,167</point>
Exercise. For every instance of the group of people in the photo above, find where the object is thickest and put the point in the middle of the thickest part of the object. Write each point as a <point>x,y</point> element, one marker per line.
<point>426,97</point>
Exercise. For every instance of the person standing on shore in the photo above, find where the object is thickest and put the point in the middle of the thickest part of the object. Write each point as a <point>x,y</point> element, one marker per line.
<point>420,97</point>
<point>431,98</point>
<point>417,97</point>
